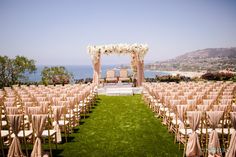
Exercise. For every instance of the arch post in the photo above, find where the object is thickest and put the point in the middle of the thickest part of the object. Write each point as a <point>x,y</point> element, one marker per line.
<point>140,71</point>
<point>96,71</point>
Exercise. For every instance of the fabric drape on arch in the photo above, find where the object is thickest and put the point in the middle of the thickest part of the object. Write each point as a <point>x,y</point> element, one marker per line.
<point>140,72</point>
<point>137,52</point>
<point>96,71</point>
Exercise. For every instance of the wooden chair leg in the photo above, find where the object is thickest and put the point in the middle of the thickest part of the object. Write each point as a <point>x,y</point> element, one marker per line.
<point>56,140</point>
<point>2,147</point>
<point>49,142</point>
<point>65,132</point>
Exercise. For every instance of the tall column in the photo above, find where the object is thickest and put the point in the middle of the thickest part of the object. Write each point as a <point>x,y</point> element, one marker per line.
<point>142,71</point>
<point>96,70</point>
<point>134,67</point>
<point>139,73</point>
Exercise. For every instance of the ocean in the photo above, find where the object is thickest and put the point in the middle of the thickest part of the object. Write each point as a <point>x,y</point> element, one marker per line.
<point>86,71</point>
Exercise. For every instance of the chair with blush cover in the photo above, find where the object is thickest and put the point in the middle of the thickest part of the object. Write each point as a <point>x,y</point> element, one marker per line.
<point>15,147</point>
<point>193,145</point>
<point>214,148</point>
<point>124,75</point>
<point>232,146</point>
<point>110,76</point>
<point>38,123</point>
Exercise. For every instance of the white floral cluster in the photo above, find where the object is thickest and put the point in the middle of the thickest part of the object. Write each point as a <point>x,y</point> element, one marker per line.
<point>96,51</point>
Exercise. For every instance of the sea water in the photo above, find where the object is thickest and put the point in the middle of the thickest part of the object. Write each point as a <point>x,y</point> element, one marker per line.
<point>86,71</point>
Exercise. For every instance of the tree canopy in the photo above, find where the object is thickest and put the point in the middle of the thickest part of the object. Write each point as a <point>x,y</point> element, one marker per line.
<point>218,76</point>
<point>56,75</point>
<point>13,70</point>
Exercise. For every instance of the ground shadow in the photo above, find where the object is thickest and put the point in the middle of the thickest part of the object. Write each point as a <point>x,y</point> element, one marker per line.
<point>76,130</point>
<point>69,139</point>
<point>56,152</point>
<point>81,122</point>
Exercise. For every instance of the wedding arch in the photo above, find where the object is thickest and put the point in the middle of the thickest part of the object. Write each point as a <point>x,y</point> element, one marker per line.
<point>136,51</point>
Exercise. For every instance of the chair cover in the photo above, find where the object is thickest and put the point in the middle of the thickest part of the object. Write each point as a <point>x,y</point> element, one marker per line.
<point>214,143</point>
<point>193,145</point>
<point>123,75</point>
<point>34,110</point>
<point>202,107</point>
<point>38,122</point>
<point>12,110</point>
<point>232,146</point>
<point>9,103</point>
<point>44,106</point>
<point>226,101</point>
<point>220,108</point>
<point>192,103</point>
<point>15,148</point>
<point>181,109</point>
<point>57,112</point>
<point>233,108</point>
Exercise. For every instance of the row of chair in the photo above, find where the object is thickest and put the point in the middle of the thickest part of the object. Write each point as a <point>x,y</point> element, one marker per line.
<point>31,113</point>
<point>192,110</point>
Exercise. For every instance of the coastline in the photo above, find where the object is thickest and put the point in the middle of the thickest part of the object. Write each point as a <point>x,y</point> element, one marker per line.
<point>190,74</point>
<point>86,71</point>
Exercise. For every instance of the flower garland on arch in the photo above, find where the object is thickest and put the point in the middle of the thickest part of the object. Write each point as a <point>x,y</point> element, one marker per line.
<point>96,51</point>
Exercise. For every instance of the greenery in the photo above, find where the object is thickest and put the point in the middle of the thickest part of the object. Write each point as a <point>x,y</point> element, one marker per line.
<point>119,126</point>
<point>56,75</point>
<point>86,80</point>
<point>168,78</point>
<point>171,78</point>
<point>14,70</point>
<point>218,76</point>
<point>234,78</point>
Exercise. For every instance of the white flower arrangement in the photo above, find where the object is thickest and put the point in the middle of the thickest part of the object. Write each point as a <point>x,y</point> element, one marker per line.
<point>96,51</point>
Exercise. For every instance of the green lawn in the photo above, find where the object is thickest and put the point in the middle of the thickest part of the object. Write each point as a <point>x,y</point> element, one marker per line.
<point>120,126</point>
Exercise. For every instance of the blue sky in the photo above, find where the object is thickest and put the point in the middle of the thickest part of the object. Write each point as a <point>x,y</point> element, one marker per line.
<point>58,31</point>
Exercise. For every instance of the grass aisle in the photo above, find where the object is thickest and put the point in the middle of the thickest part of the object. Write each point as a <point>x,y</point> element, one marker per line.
<point>120,126</point>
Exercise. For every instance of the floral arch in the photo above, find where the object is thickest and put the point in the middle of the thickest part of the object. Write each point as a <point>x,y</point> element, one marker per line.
<point>136,51</point>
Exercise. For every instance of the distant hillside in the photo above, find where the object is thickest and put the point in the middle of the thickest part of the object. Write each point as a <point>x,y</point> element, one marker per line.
<point>210,59</point>
<point>210,53</point>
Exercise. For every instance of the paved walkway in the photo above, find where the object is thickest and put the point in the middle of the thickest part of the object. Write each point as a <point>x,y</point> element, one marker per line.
<point>119,89</point>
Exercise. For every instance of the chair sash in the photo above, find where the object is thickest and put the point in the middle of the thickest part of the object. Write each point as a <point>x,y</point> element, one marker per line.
<point>38,122</point>
<point>232,146</point>
<point>193,145</point>
<point>57,112</point>
<point>214,143</point>
<point>15,148</point>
